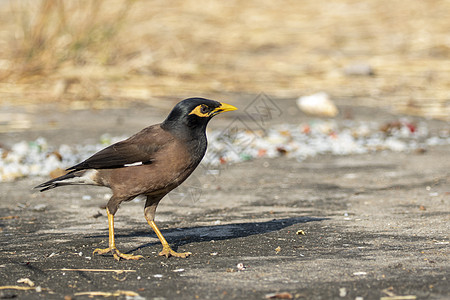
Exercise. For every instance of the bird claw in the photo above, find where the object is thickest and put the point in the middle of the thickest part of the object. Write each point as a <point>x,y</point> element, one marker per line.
<point>117,254</point>
<point>168,252</point>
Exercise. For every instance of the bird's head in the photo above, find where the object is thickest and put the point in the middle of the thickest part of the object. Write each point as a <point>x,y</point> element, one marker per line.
<point>195,113</point>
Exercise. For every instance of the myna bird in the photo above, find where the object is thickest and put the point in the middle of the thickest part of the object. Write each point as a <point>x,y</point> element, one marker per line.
<point>152,162</point>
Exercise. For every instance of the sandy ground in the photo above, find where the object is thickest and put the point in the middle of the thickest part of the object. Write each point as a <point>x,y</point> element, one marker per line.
<point>375,225</point>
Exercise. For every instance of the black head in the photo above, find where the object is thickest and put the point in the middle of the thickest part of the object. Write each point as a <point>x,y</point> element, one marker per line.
<point>194,113</point>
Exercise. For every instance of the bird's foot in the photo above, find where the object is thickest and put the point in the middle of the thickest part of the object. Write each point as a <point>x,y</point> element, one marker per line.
<point>117,254</point>
<point>168,252</point>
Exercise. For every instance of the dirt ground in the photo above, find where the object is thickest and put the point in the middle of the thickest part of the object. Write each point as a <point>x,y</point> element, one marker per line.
<point>331,227</point>
<point>375,225</point>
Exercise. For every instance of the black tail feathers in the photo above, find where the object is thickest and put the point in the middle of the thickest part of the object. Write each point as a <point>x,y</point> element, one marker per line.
<point>56,182</point>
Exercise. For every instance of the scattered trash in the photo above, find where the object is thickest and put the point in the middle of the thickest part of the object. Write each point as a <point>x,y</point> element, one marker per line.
<point>278,249</point>
<point>318,104</point>
<point>9,217</point>
<point>86,197</point>
<point>421,207</point>
<point>178,270</point>
<point>93,270</point>
<point>389,291</point>
<point>283,295</point>
<point>23,288</point>
<point>442,243</point>
<point>26,281</point>
<point>300,232</point>
<point>342,292</point>
<point>36,158</point>
<point>392,296</point>
<point>213,253</point>
<point>359,273</point>
<point>298,141</point>
<point>40,207</point>
<point>241,267</point>
<point>301,141</point>
<point>158,275</point>
<point>108,294</point>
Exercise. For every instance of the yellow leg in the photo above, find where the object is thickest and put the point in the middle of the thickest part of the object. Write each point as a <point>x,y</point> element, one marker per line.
<point>167,251</point>
<point>112,244</point>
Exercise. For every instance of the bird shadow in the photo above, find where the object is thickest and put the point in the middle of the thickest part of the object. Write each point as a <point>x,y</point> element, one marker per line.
<point>181,236</point>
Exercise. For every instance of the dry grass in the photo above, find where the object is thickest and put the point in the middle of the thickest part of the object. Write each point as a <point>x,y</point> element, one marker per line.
<point>53,33</point>
<point>139,50</point>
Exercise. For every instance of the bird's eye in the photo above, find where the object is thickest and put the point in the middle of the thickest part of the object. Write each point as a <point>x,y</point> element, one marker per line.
<point>204,109</point>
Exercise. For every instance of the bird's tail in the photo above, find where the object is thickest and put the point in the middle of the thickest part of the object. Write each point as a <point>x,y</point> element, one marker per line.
<point>67,179</point>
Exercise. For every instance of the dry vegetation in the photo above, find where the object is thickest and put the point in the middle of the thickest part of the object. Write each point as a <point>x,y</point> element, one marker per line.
<point>109,52</point>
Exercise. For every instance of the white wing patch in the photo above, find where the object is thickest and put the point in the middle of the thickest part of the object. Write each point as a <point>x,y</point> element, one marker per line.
<point>133,164</point>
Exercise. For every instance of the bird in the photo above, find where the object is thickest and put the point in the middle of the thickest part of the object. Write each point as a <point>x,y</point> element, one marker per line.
<point>151,163</point>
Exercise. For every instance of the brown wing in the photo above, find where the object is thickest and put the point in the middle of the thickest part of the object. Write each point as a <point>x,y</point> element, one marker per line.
<point>140,148</point>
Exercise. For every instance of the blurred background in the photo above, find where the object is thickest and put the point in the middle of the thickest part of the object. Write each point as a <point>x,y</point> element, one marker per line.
<point>97,54</point>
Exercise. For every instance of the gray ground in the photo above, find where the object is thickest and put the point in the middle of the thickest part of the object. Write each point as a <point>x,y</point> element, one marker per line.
<point>375,225</point>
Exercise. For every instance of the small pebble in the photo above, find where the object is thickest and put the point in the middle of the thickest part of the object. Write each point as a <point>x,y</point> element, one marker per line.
<point>342,292</point>
<point>359,69</point>
<point>318,104</point>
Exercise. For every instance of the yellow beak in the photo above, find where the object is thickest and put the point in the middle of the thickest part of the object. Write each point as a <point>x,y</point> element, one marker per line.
<point>223,107</point>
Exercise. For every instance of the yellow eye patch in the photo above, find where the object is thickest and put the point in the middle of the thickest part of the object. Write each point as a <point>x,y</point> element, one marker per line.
<point>198,111</point>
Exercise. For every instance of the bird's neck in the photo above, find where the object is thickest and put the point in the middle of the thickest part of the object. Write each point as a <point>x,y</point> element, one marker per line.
<point>193,137</point>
